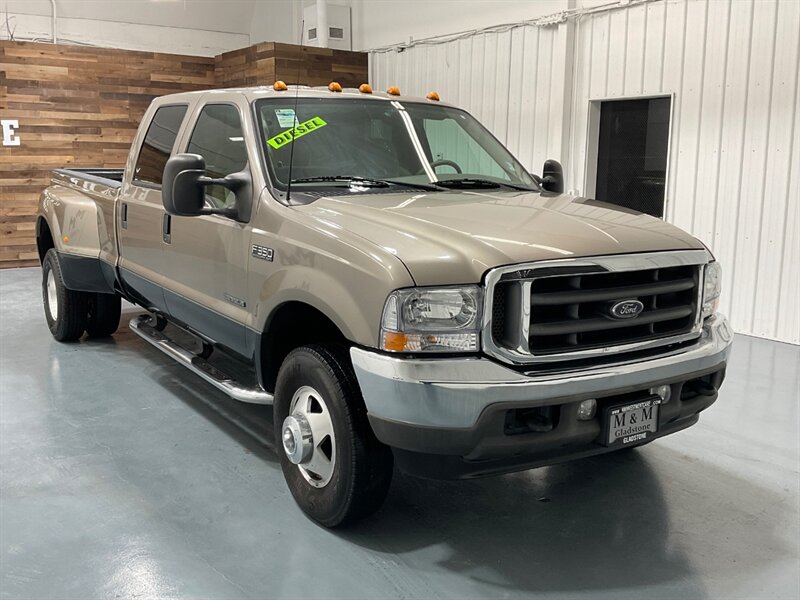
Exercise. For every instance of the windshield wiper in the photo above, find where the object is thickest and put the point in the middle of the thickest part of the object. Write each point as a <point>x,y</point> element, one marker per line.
<point>362,181</point>
<point>474,182</point>
<point>366,182</point>
<point>417,186</point>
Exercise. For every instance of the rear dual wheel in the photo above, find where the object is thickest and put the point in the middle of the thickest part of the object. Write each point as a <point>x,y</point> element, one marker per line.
<point>104,313</point>
<point>336,470</point>
<point>69,313</point>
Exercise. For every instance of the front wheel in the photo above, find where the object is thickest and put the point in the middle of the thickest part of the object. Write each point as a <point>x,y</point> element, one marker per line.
<point>65,310</point>
<point>336,470</point>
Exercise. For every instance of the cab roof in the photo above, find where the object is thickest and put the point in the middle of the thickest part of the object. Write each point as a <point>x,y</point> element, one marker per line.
<point>302,91</point>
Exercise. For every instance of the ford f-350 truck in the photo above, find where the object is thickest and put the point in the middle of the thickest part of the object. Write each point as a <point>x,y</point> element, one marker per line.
<point>388,274</point>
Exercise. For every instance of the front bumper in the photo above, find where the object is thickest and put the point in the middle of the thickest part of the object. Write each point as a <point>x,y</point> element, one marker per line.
<point>450,412</point>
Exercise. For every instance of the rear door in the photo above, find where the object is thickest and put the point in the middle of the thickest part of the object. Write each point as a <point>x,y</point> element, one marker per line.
<point>141,216</point>
<point>206,257</point>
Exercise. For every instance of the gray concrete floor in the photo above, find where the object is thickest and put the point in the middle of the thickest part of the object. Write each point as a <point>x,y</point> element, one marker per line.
<point>123,475</point>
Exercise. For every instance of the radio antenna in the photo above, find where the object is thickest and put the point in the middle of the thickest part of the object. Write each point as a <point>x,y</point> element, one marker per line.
<point>294,117</point>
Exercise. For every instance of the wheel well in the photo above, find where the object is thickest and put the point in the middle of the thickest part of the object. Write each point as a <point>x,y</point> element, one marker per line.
<point>44,238</point>
<point>292,325</point>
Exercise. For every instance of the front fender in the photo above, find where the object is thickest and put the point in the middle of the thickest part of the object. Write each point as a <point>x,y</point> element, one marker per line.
<point>329,268</point>
<point>326,294</point>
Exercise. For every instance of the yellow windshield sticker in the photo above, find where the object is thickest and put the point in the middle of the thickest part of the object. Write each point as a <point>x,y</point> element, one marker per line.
<point>287,137</point>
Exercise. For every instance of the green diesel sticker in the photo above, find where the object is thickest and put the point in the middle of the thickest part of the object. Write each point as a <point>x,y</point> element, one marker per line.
<point>288,136</point>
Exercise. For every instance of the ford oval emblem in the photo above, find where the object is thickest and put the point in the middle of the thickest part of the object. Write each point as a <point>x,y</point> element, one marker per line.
<point>626,309</point>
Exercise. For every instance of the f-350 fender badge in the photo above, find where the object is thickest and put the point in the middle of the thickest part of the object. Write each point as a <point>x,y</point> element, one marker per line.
<point>263,252</point>
<point>234,300</point>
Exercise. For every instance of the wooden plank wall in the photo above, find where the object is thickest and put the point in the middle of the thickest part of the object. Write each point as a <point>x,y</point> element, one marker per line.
<point>263,63</point>
<point>77,106</point>
<point>80,107</point>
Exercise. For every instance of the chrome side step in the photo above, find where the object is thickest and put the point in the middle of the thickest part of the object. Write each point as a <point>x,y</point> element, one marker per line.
<point>142,327</point>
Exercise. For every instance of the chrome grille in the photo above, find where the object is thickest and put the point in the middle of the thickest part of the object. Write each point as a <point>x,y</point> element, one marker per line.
<point>572,312</point>
<point>560,310</point>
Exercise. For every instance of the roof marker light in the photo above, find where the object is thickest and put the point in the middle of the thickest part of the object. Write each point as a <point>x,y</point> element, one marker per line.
<point>365,88</point>
<point>335,86</point>
<point>393,91</point>
<point>280,86</point>
<point>433,96</point>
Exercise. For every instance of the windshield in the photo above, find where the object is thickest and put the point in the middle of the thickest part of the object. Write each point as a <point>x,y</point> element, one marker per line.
<point>412,143</point>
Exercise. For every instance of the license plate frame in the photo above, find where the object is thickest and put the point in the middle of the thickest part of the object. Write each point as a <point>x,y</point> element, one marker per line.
<point>631,422</point>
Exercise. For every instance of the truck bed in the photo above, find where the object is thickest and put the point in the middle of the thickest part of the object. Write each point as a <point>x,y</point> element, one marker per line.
<point>111,178</point>
<point>102,187</point>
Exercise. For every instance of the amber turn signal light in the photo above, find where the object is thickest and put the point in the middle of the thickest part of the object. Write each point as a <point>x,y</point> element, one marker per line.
<point>393,91</point>
<point>395,342</point>
<point>280,86</point>
<point>365,88</point>
<point>334,86</point>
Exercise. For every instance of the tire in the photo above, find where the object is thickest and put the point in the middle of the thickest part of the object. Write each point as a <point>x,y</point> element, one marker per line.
<point>360,466</point>
<point>65,310</point>
<point>104,311</point>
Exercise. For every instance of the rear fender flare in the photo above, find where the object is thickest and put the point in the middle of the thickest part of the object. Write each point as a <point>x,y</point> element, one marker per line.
<point>74,221</point>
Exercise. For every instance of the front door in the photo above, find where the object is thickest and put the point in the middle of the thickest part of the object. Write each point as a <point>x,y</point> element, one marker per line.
<point>141,214</point>
<point>206,257</point>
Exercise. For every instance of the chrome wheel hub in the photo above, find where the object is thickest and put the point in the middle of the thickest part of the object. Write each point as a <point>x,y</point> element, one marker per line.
<point>297,439</point>
<point>308,438</point>
<point>52,296</point>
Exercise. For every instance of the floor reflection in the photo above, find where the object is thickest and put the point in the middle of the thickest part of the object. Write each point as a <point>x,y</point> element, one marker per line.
<point>118,441</point>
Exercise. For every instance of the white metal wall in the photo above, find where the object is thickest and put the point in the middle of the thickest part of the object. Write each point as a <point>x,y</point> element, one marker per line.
<point>734,167</point>
<point>504,79</point>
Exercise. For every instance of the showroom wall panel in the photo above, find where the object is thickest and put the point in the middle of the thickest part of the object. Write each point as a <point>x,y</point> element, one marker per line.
<point>504,79</point>
<point>268,61</point>
<point>76,106</point>
<point>731,69</point>
<point>192,27</point>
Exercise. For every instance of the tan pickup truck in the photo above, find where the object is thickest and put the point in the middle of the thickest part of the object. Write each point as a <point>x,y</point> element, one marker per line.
<point>394,279</point>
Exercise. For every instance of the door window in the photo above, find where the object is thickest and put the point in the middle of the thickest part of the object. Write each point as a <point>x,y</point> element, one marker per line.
<point>158,142</point>
<point>219,139</point>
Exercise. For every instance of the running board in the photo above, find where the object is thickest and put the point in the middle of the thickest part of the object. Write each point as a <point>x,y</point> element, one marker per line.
<point>142,327</point>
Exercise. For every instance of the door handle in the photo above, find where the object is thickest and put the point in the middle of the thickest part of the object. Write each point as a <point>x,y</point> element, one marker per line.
<point>124,215</point>
<point>166,228</point>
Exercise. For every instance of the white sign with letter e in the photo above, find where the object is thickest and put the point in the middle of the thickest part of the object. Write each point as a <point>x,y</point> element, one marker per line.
<point>10,138</point>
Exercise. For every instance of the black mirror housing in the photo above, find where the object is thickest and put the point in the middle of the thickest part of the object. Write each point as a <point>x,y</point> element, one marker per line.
<point>181,191</point>
<point>553,176</point>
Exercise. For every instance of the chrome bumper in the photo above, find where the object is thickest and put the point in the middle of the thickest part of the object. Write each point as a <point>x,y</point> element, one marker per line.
<point>453,392</point>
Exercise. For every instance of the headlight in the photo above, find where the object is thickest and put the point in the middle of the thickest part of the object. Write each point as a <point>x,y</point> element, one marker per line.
<point>712,287</point>
<point>444,319</point>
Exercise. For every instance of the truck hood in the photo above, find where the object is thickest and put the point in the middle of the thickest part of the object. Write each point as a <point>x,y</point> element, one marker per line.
<point>455,237</point>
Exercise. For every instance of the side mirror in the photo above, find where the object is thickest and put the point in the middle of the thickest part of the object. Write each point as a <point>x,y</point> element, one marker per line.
<point>553,176</point>
<point>183,189</point>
